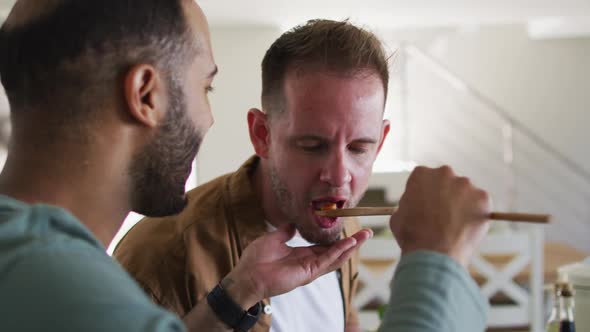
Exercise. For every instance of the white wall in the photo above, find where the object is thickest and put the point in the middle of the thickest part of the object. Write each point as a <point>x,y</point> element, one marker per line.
<point>542,83</point>
<point>238,52</point>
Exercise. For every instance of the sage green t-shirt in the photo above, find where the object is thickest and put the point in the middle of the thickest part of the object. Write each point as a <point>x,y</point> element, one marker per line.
<point>430,292</point>
<point>55,276</point>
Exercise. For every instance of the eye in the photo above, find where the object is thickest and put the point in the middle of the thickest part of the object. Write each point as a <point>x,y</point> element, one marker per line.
<point>209,89</point>
<point>358,149</point>
<point>311,148</point>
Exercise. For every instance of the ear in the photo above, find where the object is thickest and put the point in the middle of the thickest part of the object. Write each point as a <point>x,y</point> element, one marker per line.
<point>145,95</point>
<point>386,127</point>
<point>259,132</point>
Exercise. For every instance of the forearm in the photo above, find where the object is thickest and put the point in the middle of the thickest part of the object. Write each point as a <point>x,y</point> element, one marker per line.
<point>430,292</point>
<point>202,318</point>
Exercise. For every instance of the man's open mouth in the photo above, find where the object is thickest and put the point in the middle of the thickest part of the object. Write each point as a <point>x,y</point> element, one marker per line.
<point>324,205</point>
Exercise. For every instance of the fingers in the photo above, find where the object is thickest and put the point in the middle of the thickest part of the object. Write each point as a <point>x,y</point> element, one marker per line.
<point>393,223</point>
<point>342,259</point>
<point>362,236</point>
<point>475,199</point>
<point>441,211</point>
<point>338,253</point>
<point>326,260</point>
<point>483,204</point>
<point>447,171</point>
<point>490,206</point>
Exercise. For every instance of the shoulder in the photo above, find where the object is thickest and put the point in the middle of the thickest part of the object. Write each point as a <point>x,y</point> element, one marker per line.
<point>32,230</point>
<point>64,287</point>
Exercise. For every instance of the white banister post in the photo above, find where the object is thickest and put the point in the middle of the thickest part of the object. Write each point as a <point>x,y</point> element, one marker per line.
<point>536,307</point>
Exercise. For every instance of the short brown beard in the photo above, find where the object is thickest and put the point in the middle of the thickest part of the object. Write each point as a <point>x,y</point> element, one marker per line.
<point>287,204</point>
<point>159,172</point>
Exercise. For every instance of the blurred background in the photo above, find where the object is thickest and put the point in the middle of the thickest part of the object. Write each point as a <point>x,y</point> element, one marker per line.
<point>500,90</point>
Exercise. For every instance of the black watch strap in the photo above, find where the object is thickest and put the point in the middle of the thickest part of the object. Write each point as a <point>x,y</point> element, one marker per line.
<point>230,312</point>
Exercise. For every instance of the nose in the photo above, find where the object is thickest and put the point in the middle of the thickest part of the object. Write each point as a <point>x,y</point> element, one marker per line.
<point>335,171</point>
<point>204,122</point>
<point>211,121</point>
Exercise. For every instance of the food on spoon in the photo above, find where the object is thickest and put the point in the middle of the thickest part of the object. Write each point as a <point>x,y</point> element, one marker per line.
<point>328,206</point>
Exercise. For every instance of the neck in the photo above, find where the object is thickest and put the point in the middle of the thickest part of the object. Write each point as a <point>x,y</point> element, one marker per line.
<point>87,183</point>
<point>263,187</point>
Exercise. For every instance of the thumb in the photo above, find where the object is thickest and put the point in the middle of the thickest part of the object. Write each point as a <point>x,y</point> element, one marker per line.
<point>393,221</point>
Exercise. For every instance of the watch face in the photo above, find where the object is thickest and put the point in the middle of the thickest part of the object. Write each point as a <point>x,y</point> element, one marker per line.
<point>267,309</point>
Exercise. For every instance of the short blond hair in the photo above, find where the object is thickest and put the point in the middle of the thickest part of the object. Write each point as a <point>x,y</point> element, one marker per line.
<point>324,45</point>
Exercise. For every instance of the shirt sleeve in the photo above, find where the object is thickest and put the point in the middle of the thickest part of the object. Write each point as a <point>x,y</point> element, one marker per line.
<point>431,292</point>
<point>77,291</point>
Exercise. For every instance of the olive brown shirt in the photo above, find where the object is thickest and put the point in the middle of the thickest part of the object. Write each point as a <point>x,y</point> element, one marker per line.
<point>177,260</point>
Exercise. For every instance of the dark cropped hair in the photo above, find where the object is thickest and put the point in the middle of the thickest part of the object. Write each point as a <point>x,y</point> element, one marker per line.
<point>75,51</point>
<point>334,46</point>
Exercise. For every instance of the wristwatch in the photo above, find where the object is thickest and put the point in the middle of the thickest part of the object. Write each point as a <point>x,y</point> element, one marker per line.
<point>231,313</point>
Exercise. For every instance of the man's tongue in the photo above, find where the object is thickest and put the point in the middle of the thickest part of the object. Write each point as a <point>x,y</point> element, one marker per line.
<point>326,222</point>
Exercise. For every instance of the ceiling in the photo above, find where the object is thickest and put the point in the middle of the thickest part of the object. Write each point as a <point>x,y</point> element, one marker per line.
<point>385,13</point>
<point>392,13</point>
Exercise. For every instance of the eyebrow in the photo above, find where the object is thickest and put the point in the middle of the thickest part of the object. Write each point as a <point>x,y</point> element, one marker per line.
<point>363,140</point>
<point>309,138</point>
<point>213,72</point>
